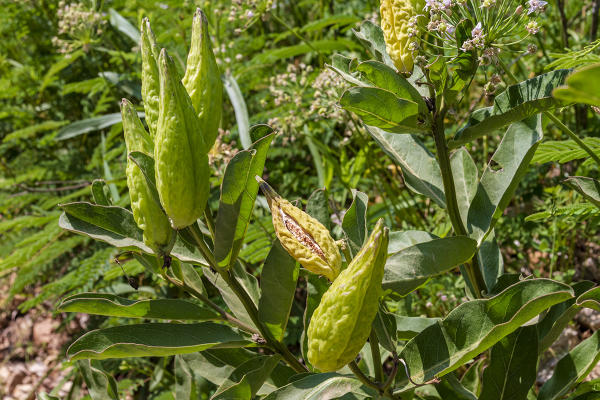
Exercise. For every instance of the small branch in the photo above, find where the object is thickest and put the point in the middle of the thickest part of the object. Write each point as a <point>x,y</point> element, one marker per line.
<point>594,27</point>
<point>374,343</point>
<point>362,377</point>
<point>564,23</point>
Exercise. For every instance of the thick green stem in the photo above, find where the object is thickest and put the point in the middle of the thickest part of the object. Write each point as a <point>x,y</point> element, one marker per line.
<point>374,343</point>
<point>473,272</point>
<point>362,377</point>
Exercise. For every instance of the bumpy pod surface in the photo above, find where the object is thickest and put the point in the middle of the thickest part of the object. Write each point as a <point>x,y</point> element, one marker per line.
<point>202,79</point>
<point>150,78</point>
<point>342,322</point>
<point>181,161</point>
<point>302,236</point>
<point>146,211</point>
<point>395,16</point>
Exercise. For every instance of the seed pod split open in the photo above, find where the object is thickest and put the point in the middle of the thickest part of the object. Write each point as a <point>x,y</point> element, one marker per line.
<point>303,237</point>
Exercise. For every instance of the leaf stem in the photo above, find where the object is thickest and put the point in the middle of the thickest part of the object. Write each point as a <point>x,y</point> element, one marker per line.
<point>362,377</point>
<point>374,343</point>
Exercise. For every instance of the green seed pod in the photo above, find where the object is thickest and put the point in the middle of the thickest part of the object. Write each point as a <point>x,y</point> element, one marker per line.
<point>303,237</point>
<point>181,161</point>
<point>202,79</point>
<point>342,322</point>
<point>395,18</point>
<point>150,79</point>
<point>146,211</point>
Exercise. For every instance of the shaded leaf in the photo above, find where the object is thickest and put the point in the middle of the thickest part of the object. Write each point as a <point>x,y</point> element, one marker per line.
<point>355,221</point>
<point>100,384</point>
<point>323,386</point>
<point>115,306</point>
<point>88,125</point>
<point>245,381</point>
<point>239,107</point>
<point>516,103</point>
<point>477,325</point>
<point>419,167</point>
<point>413,266</point>
<point>278,287</point>
<point>371,37</point>
<point>587,187</point>
<point>581,87</point>
<point>497,186</point>
<point>123,25</point>
<point>153,339</point>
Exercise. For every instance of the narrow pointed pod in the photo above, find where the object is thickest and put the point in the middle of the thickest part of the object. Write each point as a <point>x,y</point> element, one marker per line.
<point>202,80</point>
<point>150,79</point>
<point>181,161</point>
<point>147,213</point>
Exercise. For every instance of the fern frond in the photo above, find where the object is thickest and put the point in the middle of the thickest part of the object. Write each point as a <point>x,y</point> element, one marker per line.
<point>563,151</point>
<point>578,211</point>
<point>576,58</point>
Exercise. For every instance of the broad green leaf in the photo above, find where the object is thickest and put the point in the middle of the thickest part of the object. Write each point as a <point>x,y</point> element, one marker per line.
<point>100,192</point>
<point>386,329</point>
<point>323,386</point>
<point>317,207</point>
<point>371,37</point>
<point>400,240</point>
<point>191,277</point>
<point>216,366</point>
<point>231,299</point>
<point>587,187</point>
<point>466,177</point>
<point>238,194</point>
<point>346,68</point>
<point>413,266</point>
<point>582,86</point>
<point>246,380</point>
<point>239,107</point>
<point>278,287</point>
<point>88,125</point>
<point>383,109</point>
<point>513,366</point>
<point>124,26</point>
<point>471,379</point>
<point>558,316</point>
<point>186,381</point>
<point>419,167</point>
<point>450,388</point>
<point>490,261</point>
<point>154,339</point>
<point>115,306</point>
<point>477,325</point>
<point>572,368</point>
<point>516,103</point>
<point>116,226</point>
<point>502,175</point>
<point>100,384</point>
<point>385,77</point>
<point>355,221</point>
<point>409,327</point>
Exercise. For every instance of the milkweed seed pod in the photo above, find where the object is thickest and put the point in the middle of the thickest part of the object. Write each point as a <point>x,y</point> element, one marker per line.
<point>202,80</point>
<point>181,161</point>
<point>302,236</point>
<point>342,322</point>
<point>396,26</point>
<point>150,79</point>
<point>146,211</point>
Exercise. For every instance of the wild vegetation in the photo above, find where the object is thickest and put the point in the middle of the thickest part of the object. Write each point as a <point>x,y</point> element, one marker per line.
<point>317,199</point>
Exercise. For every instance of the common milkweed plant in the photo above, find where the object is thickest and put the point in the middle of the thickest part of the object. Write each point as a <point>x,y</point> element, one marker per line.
<point>426,56</point>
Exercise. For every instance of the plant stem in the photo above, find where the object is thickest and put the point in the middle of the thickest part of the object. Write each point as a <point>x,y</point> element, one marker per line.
<point>362,377</point>
<point>473,273</point>
<point>248,304</point>
<point>374,343</point>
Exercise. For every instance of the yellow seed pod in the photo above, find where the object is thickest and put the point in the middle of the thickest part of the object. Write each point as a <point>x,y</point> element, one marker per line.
<point>395,17</point>
<point>303,237</point>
